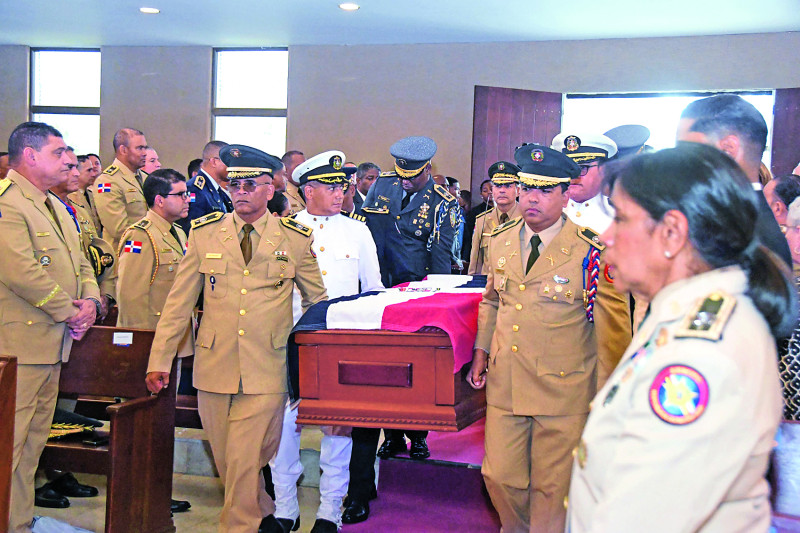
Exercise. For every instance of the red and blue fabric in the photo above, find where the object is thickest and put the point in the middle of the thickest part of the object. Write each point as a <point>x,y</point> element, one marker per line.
<point>591,270</point>
<point>679,395</point>
<point>192,197</point>
<point>103,187</point>
<point>134,247</point>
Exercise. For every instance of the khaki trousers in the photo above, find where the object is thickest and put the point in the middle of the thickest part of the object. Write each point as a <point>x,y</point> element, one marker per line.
<point>37,391</point>
<point>244,431</point>
<point>527,468</point>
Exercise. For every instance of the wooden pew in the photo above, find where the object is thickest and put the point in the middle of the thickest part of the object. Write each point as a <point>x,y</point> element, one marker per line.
<point>138,458</point>
<point>8,399</point>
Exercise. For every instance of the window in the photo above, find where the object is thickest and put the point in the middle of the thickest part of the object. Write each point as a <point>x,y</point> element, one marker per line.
<point>660,112</point>
<point>250,98</point>
<point>65,93</point>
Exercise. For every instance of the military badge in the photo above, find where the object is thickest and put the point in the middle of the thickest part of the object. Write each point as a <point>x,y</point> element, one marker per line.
<point>501,166</point>
<point>572,143</point>
<point>336,162</point>
<point>45,260</point>
<point>560,280</point>
<point>501,262</point>
<point>423,211</point>
<point>401,162</point>
<point>418,233</point>
<point>236,152</point>
<point>281,255</point>
<point>454,217</point>
<point>537,155</point>
<point>679,395</point>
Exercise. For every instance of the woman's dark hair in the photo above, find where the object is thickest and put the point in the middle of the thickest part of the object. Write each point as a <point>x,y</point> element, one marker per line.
<point>719,203</point>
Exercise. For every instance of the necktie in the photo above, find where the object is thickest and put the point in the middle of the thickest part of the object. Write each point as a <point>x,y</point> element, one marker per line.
<point>139,179</point>
<point>246,244</point>
<point>174,233</point>
<point>88,199</point>
<point>535,242</point>
<point>406,200</point>
<point>503,218</point>
<point>50,208</point>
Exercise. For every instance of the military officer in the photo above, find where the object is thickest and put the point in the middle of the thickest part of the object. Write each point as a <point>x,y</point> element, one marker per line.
<point>536,349</point>
<point>48,295</point>
<point>505,189</point>
<point>290,160</point>
<point>348,261</point>
<point>205,192</point>
<point>88,175</point>
<point>119,197</point>
<point>247,264</point>
<point>589,208</point>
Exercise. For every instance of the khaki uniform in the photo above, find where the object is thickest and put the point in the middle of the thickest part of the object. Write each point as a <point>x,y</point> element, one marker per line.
<point>240,353</point>
<point>42,271</point>
<point>87,200</point>
<point>120,200</point>
<point>147,271</point>
<point>89,235</point>
<point>679,438</point>
<point>296,201</point>
<point>485,224</point>
<point>542,373</point>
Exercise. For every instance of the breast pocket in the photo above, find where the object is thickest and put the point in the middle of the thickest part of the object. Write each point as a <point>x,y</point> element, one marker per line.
<point>44,248</point>
<point>216,280</point>
<point>279,272</point>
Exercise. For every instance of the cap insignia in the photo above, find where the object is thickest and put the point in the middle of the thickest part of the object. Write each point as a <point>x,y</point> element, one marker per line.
<point>537,155</point>
<point>236,153</point>
<point>572,143</point>
<point>501,166</point>
<point>336,162</point>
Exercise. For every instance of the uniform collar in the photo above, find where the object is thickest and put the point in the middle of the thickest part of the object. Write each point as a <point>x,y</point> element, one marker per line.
<point>259,225</point>
<point>158,221</point>
<point>547,235</point>
<point>29,190</point>
<point>126,172</point>
<point>210,180</point>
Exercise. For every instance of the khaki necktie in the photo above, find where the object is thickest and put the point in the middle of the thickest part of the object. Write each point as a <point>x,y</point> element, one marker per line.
<point>246,244</point>
<point>535,242</point>
<point>139,179</point>
<point>52,210</point>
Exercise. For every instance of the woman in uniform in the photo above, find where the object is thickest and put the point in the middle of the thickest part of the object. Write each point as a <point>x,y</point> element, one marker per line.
<point>678,439</point>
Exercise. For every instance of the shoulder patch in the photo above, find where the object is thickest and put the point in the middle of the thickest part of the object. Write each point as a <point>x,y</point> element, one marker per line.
<point>5,183</point>
<point>208,219</point>
<point>375,210</point>
<point>142,224</point>
<point>388,174</point>
<point>354,216</point>
<point>490,210</point>
<point>591,237</point>
<point>295,225</point>
<point>111,170</point>
<point>200,181</point>
<point>679,395</point>
<point>508,225</point>
<point>443,192</point>
<point>707,319</point>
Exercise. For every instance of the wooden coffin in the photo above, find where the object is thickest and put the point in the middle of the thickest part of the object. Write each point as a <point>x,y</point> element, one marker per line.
<point>386,379</point>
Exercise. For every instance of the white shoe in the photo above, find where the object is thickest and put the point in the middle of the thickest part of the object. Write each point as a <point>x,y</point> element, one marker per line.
<point>46,524</point>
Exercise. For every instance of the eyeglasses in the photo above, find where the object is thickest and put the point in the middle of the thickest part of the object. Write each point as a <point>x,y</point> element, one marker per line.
<point>585,169</point>
<point>246,185</point>
<point>184,195</point>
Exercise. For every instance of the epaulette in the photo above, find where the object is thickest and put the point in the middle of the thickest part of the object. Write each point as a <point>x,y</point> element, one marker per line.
<point>485,213</point>
<point>200,181</point>
<point>354,216</point>
<point>443,192</point>
<point>375,210</point>
<point>143,224</point>
<point>295,225</point>
<point>111,170</point>
<point>5,183</point>
<point>708,318</point>
<point>388,174</point>
<point>208,219</point>
<point>591,237</point>
<point>508,225</point>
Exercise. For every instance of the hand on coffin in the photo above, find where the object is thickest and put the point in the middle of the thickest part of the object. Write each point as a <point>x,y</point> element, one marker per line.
<point>477,374</point>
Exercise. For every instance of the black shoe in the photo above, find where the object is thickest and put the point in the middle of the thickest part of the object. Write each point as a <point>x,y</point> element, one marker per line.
<point>392,447</point>
<point>47,497</point>
<point>179,506</point>
<point>419,449</point>
<point>324,526</point>
<point>270,524</point>
<point>67,485</point>
<point>355,512</point>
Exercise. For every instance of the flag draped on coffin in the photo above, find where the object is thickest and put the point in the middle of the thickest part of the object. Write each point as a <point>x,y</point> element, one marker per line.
<point>446,302</point>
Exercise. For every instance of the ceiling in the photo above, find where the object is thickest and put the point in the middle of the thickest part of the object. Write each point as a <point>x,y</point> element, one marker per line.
<point>255,23</point>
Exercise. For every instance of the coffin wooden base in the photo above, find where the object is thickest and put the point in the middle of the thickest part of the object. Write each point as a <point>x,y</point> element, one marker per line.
<point>384,379</point>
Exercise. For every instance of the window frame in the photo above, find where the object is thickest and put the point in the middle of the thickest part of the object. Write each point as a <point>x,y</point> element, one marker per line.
<point>55,110</point>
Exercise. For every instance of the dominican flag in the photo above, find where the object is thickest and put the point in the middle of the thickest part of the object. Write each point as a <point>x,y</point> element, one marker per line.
<point>103,187</point>
<point>192,197</point>
<point>134,247</point>
<point>447,302</point>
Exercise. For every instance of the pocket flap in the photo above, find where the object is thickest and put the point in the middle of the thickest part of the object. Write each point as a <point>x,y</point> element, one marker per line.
<point>213,266</point>
<point>205,337</point>
<point>559,366</point>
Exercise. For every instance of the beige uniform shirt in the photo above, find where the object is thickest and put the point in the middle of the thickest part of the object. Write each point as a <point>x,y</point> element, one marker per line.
<point>149,256</point>
<point>485,223</point>
<point>296,201</point>
<point>120,200</point>
<point>108,279</point>
<point>42,270</point>
<point>247,308</point>
<point>87,200</point>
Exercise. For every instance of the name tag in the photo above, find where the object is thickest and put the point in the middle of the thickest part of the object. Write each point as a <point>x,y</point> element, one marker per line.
<point>213,256</point>
<point>42,233</point>
<point>166,250</point>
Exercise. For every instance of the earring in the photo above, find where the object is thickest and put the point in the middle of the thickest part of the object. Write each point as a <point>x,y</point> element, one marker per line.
<point>667,254</point>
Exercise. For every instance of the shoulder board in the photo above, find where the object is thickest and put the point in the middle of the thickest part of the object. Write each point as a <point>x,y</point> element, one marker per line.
<point>443,192</point>
<point>295,225</point>
<point>111,170</point>
<point>354,216</point>
<point>375,210</point>
<point>208,219</point>
<point>708,318</point>
<point>591,237</point>
<point>508,225</point>
<point>200,181</point>
<point>485,213</point>
<point>142,224</point>
<point>5,183</point>
<point>388,174</point>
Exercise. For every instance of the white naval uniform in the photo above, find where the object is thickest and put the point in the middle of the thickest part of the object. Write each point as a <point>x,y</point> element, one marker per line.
<point>595,213</point>
<point>347,256</point>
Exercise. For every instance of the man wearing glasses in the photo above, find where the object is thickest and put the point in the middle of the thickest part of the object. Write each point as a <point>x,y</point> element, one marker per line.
<point>205,190</point>
<point>247,264</point>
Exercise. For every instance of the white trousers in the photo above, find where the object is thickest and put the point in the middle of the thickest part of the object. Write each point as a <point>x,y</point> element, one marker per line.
<point>334,460</point>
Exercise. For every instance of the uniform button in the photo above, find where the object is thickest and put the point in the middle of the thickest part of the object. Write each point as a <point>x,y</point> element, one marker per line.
<point>241,332</point>
<point>347,256</point>
<point>211,271</point>
<point>246,272</point>
<point>324,273</point>
<point>244,291</point>
<point>555,298</point>
<point>281,274</point>
<point>321,248</point>
<point>77,274</point>
<point>515,327</point>
<point>574,452</point>
<point>522,287</point>
<point>29,322</point>
<point>518,307</point>
<point>514,349</point>
<point>158,314</point>
<point>242,312</point>
<point>398,217</point>
<point>562,373</point>
<point>566,502</point>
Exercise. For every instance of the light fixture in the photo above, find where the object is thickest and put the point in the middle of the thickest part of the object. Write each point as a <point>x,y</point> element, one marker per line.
<point>150,10</point>
<point>349,6</point>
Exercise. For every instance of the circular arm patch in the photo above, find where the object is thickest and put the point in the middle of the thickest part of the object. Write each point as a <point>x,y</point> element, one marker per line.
<point>679,395</point>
